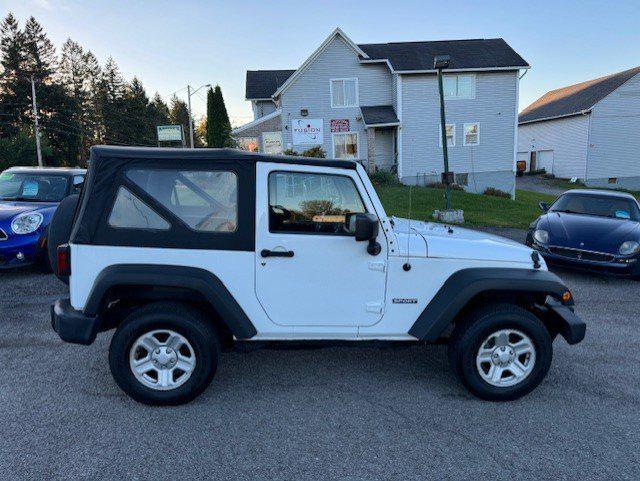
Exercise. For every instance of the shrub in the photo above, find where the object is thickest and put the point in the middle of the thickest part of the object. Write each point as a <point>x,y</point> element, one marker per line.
<point>316,151</point>
<point>384,178</point>
<point>496,192</point>
<point>536,172</point>
<point>289,152</point>
<point>440,185</point>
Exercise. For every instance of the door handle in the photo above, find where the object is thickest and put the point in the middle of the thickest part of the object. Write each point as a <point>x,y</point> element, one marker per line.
<point>268,253</point>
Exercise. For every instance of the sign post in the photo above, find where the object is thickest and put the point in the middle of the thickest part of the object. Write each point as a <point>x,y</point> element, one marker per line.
<point>170,133</point>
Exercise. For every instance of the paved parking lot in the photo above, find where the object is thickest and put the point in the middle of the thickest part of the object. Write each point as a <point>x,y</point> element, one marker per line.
<point>335,413</point>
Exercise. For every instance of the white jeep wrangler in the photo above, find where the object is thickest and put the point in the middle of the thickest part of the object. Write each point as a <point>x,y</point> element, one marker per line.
<point>186,252</point>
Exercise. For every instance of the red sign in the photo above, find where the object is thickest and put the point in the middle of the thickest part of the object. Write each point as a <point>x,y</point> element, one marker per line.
<point>339,125</point>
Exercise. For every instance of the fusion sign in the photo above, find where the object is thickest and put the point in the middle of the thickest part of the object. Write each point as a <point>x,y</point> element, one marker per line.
<point>306,131</point>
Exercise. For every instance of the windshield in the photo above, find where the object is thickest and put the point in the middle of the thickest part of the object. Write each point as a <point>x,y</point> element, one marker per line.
<point>598,205</point>
<point>32,187</point>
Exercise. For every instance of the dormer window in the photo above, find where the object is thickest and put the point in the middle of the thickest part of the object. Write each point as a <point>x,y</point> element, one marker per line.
<point>344,92</point>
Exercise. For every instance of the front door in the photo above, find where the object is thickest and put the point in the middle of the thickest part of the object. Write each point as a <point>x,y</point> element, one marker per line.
<point>309,272</point>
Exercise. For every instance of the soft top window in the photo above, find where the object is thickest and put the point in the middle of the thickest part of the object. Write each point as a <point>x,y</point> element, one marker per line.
<point>205,200</point>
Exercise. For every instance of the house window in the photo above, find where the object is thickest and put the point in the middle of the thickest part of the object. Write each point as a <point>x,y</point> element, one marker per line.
<point>344,92</point>
<point>472,134</point>
<point>459,86</point>
<point>451,135</point>
<point>345,145</point>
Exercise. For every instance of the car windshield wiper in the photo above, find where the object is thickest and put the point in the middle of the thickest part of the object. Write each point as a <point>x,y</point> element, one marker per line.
<point>569,212</point>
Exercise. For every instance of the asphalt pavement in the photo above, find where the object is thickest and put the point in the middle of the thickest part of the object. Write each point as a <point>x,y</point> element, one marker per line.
<point>332,413</point>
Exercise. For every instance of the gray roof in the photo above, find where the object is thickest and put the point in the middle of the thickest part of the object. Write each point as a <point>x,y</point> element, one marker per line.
<point>465,54</point>
<point>262,84</point>
<point>574,99</point>
<point>379,114</point>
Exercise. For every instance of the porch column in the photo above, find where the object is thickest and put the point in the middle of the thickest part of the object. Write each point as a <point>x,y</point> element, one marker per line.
<point>371,150</point>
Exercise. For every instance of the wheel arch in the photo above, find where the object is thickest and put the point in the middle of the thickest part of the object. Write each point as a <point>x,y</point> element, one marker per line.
<point>144,283</point>
<point>467,289</point>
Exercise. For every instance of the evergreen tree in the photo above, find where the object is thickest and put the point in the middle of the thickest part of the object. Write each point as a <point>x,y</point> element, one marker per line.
<point>137,125</point>
<point>15,90</point>
<point>92,110</point>
<point>110,97</point>
<point>158,114</point>
<point>218,125</point>
<point>71,74</point>
<point>179,115</point>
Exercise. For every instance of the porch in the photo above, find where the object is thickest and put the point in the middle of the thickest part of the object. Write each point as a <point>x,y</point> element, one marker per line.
<point>381,127</point>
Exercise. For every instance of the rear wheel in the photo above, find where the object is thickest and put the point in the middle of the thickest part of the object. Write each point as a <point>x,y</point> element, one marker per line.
<point>501,352</point>
<point>164,354</point>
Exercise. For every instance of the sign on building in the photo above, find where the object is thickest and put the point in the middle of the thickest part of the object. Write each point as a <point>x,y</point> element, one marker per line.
<point>272,142</point>
<point>339,125</point>
<point>169,133</point>
<point>306,131</point>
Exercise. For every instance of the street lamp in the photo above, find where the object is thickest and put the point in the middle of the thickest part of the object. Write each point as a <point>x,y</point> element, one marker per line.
<point>189,94</point>
<point>441,62</point>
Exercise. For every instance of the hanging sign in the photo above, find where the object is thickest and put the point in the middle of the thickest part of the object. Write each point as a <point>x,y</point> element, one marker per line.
<point>339,125</point>
<point>306,131</point>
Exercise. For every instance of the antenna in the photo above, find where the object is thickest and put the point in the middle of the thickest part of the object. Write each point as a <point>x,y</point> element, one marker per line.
<point>407,266</point>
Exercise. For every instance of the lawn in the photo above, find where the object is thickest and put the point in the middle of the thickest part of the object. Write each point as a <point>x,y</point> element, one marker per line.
<point>479,210</point>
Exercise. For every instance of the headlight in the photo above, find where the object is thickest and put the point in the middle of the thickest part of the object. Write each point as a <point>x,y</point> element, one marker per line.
<point>629,247</point>
<point>541,236</point>
<point>26,223</point>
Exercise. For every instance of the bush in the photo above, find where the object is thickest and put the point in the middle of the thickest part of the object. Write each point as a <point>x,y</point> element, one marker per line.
<point>536,172</point>
<point>496,193</point>
<point>384,178</point>
<point>440,185</point>
<point>20,150</point>
<point>316,152</point>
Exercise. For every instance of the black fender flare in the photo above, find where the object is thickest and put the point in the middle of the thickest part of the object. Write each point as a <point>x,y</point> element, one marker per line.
<point>465,284</point>
<point>199,280</point>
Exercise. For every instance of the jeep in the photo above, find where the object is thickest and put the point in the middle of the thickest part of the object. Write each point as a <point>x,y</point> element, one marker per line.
<point>187,253</point>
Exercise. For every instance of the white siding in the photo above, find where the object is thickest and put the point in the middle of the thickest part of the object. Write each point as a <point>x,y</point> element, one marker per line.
<point>614,142</point>
<point>494,107</point>
<point>567,138</point>
<point>262,108</point>
<point>384,148</point>
<point>311,91</point>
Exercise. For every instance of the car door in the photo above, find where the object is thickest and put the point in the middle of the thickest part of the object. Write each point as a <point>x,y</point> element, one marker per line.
<point>309,271</point>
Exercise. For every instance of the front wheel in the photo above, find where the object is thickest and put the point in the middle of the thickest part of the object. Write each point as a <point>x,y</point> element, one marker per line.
<point>501,352</point>
<point>164,354</point>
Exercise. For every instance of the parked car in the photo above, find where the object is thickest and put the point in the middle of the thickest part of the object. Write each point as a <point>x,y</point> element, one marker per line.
<point>188,251</point>
<point>590,229</point>
<point>29,197</point>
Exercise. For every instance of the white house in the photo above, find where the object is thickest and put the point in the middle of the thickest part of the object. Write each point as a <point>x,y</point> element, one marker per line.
<point>379,104</point>
<point>587,130</point>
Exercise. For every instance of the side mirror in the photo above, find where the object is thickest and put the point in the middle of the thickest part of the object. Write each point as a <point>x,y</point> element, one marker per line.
<point>364,227</point>
<point>544,207</point>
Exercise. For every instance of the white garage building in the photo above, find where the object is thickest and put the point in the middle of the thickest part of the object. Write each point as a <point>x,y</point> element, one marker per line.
<point>587,130</point>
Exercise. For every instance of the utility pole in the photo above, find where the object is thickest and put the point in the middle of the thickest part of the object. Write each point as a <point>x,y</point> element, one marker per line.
<point>190,116</point>
<point>441,62</point>
<point>35,120</point>
<point>189,94</point>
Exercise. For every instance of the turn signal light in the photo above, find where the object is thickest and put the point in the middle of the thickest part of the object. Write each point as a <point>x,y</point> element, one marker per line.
<point>566,297</point>
<point>64,260</point>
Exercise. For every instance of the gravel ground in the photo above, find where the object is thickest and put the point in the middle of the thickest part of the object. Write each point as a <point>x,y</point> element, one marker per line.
<point>333,413</point>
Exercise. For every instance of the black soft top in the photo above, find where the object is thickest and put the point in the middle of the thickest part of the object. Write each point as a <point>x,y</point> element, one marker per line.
<point>107,167</point>
<point>106,154</point>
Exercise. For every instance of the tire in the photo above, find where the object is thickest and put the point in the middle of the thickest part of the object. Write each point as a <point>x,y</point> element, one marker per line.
<point>60,230</point>
<point>201,346</point>
<point>44,263</point>
<point>493,328</point>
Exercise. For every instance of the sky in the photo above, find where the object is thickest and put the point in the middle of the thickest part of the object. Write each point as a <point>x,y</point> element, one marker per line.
<point>169,44</point>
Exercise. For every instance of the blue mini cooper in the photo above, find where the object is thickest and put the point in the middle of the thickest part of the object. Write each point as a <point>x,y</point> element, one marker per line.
<point>29,197</point>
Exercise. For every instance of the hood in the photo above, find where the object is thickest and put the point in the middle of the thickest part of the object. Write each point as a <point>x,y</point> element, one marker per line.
<point>10,209</point>
<point>601,234</point>
<point>455,242</point>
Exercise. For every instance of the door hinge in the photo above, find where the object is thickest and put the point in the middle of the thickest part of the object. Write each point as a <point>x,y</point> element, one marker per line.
<point>375,307</point>
<point>377,266</point>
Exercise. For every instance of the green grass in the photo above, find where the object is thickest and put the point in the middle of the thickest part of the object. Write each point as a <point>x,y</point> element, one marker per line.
<point>479,210</point>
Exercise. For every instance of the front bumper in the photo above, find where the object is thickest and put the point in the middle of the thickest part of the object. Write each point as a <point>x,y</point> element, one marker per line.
<point>72,325</point>
<point>619,266</point>
<point>17,251</point>
<point>565,321</point>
